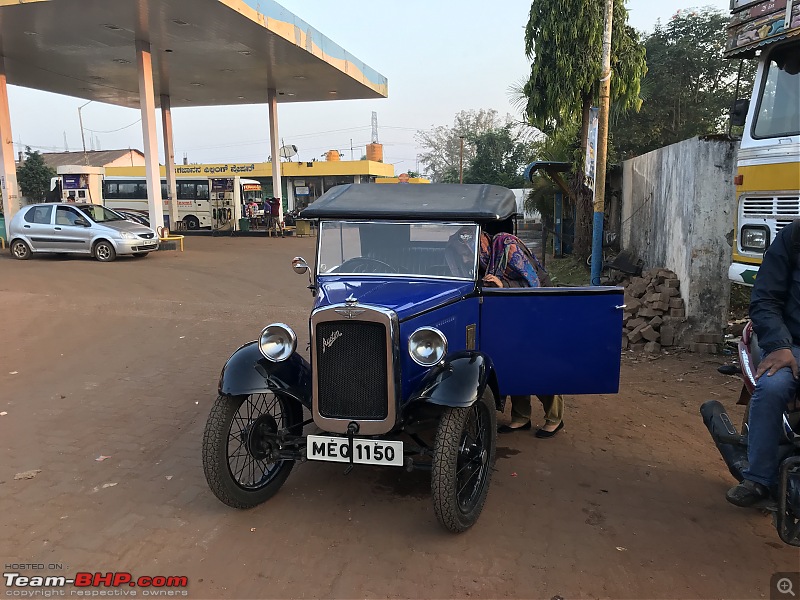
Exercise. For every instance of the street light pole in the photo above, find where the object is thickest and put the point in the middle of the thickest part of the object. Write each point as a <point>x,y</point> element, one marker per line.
<point>461,161</point>
<point>83,138</point>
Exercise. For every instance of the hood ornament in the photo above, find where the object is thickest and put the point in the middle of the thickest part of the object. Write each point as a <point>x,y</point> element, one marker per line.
<point>349,311</point>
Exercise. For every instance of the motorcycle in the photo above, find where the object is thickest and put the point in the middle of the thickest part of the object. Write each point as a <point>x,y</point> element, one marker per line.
<point>784,504</point>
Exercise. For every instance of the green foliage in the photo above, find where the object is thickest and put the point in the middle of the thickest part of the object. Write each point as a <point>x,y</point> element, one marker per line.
<point>500,157</point>
<point>34,176</point>
<point>441,145</point>
<point>564,39</point>
<point>689,87</point>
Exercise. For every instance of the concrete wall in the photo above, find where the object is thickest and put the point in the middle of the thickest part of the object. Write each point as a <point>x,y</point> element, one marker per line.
<point>678,204</point>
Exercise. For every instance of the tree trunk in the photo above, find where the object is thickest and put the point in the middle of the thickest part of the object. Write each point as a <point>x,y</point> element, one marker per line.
<point>582,244</point>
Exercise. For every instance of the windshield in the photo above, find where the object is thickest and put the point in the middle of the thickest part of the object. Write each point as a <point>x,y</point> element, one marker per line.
<point>100,214</point>
<point>779,102</point>
<point>417,249</point>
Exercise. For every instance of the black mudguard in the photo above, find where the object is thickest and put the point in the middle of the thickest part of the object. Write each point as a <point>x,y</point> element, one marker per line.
<point>459,382</point>
<point>248,372</point>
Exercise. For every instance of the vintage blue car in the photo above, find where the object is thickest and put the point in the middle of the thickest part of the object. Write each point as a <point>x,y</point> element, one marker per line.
<point>410,355</point>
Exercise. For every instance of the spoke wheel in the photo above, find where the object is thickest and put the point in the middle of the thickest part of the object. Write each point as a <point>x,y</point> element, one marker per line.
<point>240,454</point>
<point>463,460</point>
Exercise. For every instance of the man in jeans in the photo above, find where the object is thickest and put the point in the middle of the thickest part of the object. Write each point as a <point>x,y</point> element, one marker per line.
<point>775,312</point>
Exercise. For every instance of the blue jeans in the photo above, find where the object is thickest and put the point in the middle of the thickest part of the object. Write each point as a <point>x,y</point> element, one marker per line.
<point>767,406</point>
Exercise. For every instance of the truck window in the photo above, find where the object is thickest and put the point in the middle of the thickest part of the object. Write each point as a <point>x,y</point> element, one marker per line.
<point>779,102</point>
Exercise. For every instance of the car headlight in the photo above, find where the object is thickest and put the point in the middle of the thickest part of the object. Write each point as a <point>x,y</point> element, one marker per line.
<point>755,238</point>
<point>277,342</point>
<point>427,346</point>
<point>127,235</point>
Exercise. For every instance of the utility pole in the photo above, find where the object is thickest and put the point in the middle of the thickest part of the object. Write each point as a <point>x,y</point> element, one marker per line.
<point>83,138</point>
<point>602,148</point>
<point>461,161</point>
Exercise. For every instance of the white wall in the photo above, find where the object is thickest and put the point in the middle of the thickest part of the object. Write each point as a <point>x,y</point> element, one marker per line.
<point>678,204</point>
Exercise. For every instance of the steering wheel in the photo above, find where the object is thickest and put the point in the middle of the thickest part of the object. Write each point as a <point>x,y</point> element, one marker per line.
<point>364,264</point>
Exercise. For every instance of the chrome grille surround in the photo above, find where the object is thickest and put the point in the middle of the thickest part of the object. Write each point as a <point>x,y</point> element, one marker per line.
<point>371,314</point>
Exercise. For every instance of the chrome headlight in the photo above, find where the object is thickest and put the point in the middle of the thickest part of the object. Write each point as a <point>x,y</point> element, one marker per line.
<point>755,239</point>
<point>277,342</point>
<point>127,235</point>
<point>427,346</point>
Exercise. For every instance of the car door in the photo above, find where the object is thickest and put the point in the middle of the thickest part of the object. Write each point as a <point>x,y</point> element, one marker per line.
<point>69,236</point>
<point>553,340</point>
<point>37,226</point>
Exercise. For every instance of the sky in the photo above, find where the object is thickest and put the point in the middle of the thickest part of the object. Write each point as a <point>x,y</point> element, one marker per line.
<point>440,57</point>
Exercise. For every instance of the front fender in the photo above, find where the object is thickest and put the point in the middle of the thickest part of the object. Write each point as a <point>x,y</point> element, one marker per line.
<point>248,372</point>
<point>459,382</point>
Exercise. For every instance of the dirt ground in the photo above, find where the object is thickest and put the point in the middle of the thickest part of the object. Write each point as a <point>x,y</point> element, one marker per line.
<point>122,360</point>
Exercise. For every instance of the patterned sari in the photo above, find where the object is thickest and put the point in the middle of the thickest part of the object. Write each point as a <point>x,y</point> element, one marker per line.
<point>508,259</point>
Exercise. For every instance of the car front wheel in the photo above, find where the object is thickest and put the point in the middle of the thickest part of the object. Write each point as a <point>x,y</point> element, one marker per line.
<point>463,459</point>
<point>104,251</point>
<point>241,453</point>
<point>20,250</point>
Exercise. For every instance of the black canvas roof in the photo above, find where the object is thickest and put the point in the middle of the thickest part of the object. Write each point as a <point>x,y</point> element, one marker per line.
<point>415,202</point>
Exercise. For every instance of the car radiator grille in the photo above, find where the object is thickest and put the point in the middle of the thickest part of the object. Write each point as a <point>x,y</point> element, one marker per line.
<point>147,236</point>
<point>352,370</point>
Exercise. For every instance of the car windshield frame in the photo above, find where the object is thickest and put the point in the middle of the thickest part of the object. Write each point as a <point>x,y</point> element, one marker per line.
<point>456,225</point>
<point>88,211</point>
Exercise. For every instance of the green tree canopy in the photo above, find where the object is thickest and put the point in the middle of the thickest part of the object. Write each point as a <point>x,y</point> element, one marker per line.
<point>500,157</point>
<point>34,176</point>
<point>564,39</point>
<point>689,87</point>
<point>441,145</point>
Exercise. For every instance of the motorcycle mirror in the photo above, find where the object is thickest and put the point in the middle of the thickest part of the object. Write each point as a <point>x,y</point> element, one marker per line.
<point>299,265</point>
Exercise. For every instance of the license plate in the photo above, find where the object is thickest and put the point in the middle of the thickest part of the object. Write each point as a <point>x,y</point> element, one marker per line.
<point>365,452</point>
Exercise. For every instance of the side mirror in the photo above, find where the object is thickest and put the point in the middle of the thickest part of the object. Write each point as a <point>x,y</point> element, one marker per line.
<point>82,223</point>
<point>739,112</point>
<point>299,265</point>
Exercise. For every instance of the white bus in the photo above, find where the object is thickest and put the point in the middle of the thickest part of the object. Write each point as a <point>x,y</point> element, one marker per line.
<point>194,198</point>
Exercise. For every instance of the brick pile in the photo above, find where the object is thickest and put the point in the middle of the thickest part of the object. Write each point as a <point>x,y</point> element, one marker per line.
<point>653,311</point>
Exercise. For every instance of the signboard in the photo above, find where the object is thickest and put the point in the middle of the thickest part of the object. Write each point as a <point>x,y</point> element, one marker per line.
<point>299,183</point>
<point>760,23</point>
<point>590,167</point>
<point>222,185</point>
<point>301,191</point>
<point>75,182</point>
<point>251,187</point>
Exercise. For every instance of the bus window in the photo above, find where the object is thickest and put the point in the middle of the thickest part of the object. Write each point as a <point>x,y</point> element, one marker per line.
<point>127,191</point>
<point>186,191</point>
<point>202,191</point>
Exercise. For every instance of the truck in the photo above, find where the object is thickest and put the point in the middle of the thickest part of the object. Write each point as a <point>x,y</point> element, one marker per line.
<point>768,165</point>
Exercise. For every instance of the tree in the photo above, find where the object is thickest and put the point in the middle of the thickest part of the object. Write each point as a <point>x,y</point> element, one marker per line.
<point>564,40</point>
<point>442,145</point>
<point>34,176</point>
<point>689,87</point>
<point>500,157</point>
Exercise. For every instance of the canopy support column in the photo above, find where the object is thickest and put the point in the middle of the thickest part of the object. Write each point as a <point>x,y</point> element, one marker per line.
<point>272,99</point>
<point>169,153</point>
<point>147,104</point>
<point>10,189</point>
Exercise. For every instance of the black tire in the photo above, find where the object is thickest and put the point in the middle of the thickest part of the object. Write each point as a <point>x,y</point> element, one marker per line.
<point>463,461</point>
<point>140,254</point>
<point>20,250</point>
<point>192,223</point>
<point>258,479</point>
<point>104,251</point>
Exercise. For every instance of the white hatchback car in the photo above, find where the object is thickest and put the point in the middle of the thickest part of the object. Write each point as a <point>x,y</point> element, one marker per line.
<point>77,229</point>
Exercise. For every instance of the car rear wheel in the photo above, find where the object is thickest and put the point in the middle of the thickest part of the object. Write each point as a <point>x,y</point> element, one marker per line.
<point>20,250</point>
<point>104,251</point>
<point>241,457</point>
<point>463,460</point>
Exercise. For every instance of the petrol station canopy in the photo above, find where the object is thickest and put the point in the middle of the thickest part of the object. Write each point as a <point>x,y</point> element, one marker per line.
<point>204,52</point>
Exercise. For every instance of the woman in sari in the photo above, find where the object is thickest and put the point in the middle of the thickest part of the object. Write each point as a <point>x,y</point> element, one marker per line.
<point>506,262</point>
